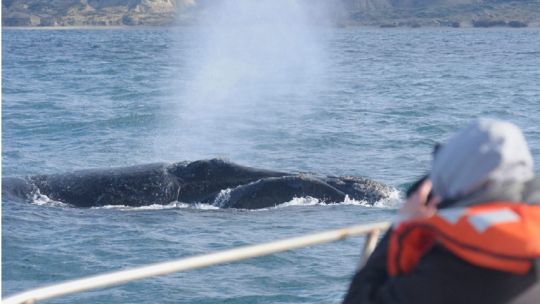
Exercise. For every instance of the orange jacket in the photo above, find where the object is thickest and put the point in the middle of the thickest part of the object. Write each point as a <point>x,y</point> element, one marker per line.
<point>503,236</point>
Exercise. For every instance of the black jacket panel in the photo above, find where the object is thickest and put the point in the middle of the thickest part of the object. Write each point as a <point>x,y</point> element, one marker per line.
<point>440,277</point>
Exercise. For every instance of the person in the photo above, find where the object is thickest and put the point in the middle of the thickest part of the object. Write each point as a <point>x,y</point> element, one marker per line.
<point>475,240</point>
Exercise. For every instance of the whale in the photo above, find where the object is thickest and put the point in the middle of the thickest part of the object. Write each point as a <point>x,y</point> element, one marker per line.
<point>214,181</point>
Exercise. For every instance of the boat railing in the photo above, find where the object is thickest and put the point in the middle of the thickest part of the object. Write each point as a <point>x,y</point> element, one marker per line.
<point>371,231</point>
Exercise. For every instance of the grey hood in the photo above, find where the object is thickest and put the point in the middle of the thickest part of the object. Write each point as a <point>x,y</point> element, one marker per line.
<point>487,160</point>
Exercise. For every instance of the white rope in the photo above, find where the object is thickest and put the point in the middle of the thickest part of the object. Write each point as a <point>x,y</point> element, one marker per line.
<point>226,256</point>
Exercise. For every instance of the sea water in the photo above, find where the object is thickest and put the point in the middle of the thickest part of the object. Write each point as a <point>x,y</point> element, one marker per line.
<point>374,103</point>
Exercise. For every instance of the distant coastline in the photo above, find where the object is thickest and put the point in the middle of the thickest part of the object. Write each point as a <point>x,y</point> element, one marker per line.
<point>94,14</point>
<point>83,27</point>
<point>140,27</point>
<point>78,27</point>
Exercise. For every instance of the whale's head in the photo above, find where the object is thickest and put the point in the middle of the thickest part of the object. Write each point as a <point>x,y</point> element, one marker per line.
<point>361,188</point>
<point>17,189</point>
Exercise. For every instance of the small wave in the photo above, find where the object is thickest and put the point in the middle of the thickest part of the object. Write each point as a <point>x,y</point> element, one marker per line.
<point>528,53</point>
<point>43,200</point>
<point>222,198</point>
<point>393,201</point>
<point>171,205</point>
<point>301,201</point>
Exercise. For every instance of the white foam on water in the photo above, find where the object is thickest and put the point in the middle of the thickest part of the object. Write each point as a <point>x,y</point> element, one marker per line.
<point>43,200</point>
<point>393,201</point>
<point>171,205</point>
<point>301,201</point>
<point>222,198</point>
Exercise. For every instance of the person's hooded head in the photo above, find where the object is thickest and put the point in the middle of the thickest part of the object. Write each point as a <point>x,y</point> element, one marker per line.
<point>487,160</point>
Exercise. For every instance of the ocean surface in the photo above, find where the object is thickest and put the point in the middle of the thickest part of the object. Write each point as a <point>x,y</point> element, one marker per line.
<point>335,101</point>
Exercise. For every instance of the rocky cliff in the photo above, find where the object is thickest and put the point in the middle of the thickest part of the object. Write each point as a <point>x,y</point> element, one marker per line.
<point>384,13</point>
<point>456,13</point>
<point>92,12</point>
